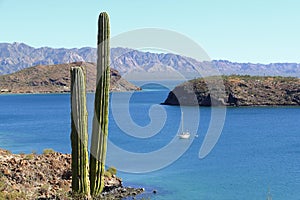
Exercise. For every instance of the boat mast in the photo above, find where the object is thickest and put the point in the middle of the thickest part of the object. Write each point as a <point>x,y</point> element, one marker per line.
<point>182,122</point>
<point>269,197</point>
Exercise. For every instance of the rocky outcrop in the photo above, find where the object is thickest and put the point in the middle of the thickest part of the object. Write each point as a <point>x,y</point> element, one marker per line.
<point>56,79</point>
<point>237,91</point>
<point>48,176</point>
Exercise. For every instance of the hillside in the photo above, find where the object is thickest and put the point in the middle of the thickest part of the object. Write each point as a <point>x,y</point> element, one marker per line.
<point>56,79</point>
<point>17,56</point>
<point>239,91</point>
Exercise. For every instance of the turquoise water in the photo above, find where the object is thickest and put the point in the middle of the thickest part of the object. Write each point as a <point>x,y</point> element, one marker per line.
<point>259,147</point>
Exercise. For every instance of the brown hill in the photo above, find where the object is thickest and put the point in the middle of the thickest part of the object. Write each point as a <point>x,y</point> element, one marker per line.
<point>56,79</point>
<point>239,91</point>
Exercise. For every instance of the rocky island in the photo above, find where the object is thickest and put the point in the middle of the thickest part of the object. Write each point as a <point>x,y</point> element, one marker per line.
<point>56,79</point>
<point>237,91</point>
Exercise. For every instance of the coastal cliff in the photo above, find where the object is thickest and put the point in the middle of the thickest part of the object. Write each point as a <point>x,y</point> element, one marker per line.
<point>56,79</point>
<point>237,91</point>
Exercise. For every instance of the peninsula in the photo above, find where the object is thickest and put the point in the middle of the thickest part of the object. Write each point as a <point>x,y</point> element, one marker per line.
<point>56,79</point>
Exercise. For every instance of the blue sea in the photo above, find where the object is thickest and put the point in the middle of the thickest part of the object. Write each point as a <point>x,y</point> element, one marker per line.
<point>258,150</point>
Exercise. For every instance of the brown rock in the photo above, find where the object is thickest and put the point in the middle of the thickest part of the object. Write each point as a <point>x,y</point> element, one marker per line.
<point>6,172</point>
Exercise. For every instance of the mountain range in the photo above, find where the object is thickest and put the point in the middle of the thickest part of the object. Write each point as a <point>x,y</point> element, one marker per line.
<point>133,63</point>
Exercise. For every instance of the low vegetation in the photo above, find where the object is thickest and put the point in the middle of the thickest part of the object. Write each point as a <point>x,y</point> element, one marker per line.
<point>48,151</point>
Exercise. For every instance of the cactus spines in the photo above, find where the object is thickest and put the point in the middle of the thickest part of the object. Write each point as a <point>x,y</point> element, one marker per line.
<point>100,120</point>
<point>79,133</point>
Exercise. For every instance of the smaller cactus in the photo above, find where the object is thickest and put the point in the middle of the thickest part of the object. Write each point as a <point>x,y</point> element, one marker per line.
<point>79,133</point>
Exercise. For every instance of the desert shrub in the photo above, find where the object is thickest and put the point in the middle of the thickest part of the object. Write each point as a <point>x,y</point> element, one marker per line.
<point>9,194</point>
<point>12,195</point>
<point>2,183</point>
<point>29,157</point>
<point>107,174</point>
<point>44,189</point>
<point>112,170</point>
<point>48,151</point>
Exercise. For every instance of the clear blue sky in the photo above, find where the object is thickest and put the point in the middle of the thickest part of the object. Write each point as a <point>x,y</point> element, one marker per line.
<point>237,30</point>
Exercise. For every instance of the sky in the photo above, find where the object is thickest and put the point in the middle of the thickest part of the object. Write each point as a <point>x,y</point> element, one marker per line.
<point>257,31</point>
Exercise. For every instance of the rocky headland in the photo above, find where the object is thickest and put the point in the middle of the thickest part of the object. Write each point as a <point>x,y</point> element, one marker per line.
<point>48,176</point>
<point>56,79</point>
<point>237,90</point>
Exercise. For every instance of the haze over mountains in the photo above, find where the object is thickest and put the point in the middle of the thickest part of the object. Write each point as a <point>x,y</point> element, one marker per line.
<point>17,56</point>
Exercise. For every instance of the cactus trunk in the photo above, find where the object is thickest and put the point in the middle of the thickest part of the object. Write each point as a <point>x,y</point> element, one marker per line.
<point>100,120</point>
<point>79,134</point>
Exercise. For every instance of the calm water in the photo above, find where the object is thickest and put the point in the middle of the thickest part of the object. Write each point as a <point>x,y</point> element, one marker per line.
<point>259,147</point>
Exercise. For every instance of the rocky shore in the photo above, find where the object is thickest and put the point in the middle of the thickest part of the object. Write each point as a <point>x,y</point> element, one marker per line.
<point>48,176</point>
<point>237,90</point>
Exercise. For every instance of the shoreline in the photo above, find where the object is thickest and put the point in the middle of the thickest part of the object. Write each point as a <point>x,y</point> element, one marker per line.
<point>241,106</point>
<point>35,93</point>
<point>48,176</point>
<point>163,103</point>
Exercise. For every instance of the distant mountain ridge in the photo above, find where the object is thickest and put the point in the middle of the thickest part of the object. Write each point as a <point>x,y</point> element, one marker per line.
<point>17,56</point>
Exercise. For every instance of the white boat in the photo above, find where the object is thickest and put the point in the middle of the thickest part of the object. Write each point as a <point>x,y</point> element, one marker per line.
<point>184,134</point>
<point>269,197</point>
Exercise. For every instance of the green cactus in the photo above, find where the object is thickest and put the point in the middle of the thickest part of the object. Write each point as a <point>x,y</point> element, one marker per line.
<point>100,120</point>
<point>79,133</point>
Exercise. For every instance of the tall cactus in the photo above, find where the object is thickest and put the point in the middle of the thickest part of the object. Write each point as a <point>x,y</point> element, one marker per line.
<point>79,134</point>
<point>100,120</point>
